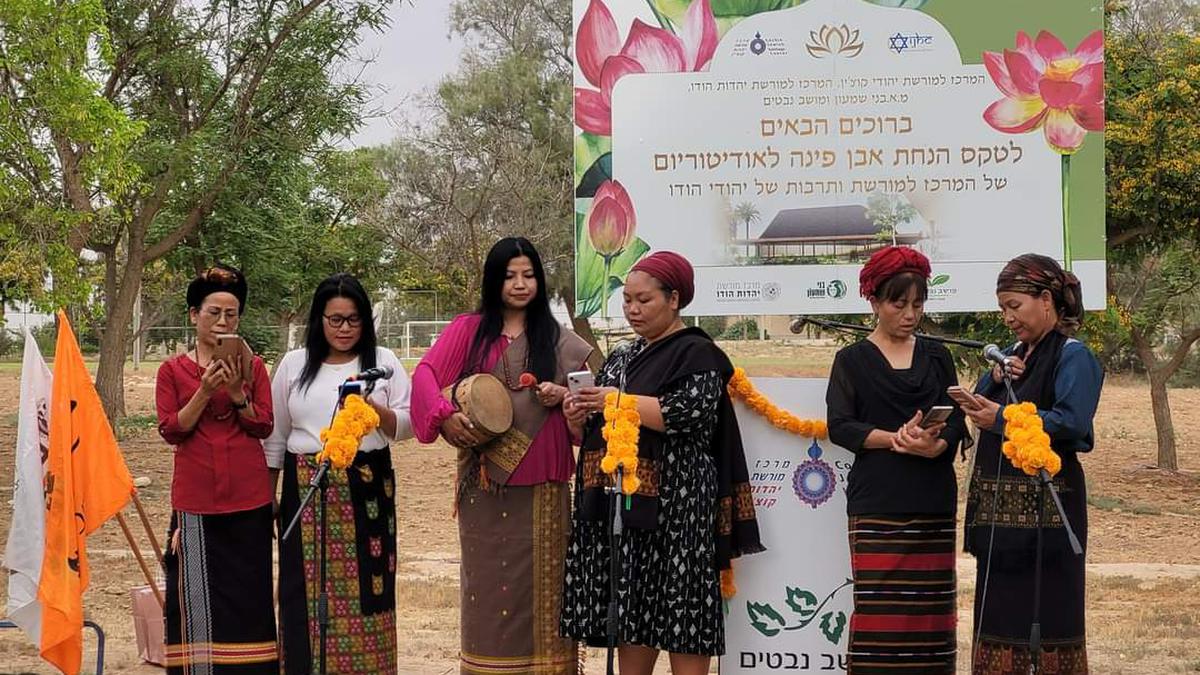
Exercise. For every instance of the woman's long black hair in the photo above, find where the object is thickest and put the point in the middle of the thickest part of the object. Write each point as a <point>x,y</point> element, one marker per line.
<point>541,329</point>
<point>340,285</point>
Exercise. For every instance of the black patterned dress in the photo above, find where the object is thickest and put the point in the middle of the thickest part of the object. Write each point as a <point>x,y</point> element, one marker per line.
<point>670,596</point>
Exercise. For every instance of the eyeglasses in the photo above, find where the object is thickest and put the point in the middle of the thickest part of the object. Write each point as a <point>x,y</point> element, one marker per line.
<point>337,320</point>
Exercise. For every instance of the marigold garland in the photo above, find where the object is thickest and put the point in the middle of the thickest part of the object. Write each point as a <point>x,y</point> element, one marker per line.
<point>1028,445</point>
<point>341,438</point>
<point>621,424</point>
<point>741,388</point>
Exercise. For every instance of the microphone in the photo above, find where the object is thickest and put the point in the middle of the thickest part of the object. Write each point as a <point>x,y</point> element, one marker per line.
<point>372,374</point>
<point>992,353</point>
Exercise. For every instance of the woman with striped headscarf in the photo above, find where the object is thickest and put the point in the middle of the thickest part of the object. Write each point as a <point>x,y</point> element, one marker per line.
<point>1042,305</point>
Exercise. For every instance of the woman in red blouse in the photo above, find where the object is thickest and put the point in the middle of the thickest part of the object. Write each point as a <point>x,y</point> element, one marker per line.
<point>219,610</point>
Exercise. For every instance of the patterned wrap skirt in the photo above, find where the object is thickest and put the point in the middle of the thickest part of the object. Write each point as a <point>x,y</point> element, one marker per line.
<point>514,542</point>
<point>360,568</point>
<point>904,594</point>
<point>219,611</point>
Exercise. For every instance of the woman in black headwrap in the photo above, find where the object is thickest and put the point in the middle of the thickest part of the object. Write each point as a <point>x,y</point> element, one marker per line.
<point>1042,304</point>
<point>693,512</point>
<point>215,412</point>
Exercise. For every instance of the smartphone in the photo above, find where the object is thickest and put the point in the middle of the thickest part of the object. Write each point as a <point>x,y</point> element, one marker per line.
<point>962,397</point>
<point>229,347</point>
<point>347,388</point>
<point>580,379</point>
<point>936,415</point>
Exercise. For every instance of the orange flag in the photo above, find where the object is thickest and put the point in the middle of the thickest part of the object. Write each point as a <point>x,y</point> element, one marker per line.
<point>87,483</point>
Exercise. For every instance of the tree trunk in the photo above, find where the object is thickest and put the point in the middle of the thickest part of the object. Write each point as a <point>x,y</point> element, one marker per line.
<point>1160,403</point>
<point>1163,424</point>
<point>584,330</point>
<point>110,375</point>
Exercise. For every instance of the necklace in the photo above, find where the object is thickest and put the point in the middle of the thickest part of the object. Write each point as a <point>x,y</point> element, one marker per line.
<point>508,380</point>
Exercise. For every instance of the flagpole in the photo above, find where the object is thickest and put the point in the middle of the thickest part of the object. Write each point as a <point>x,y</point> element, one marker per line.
<point>137,553</point>
<point>137,503</point>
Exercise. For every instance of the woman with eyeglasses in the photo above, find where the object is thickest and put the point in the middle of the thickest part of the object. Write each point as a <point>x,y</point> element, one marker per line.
<point>215,412</point>
<point>360,500</point>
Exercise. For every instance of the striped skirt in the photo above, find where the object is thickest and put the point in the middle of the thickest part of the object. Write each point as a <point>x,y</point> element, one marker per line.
<point>220,612</point>
<point>904,594</point>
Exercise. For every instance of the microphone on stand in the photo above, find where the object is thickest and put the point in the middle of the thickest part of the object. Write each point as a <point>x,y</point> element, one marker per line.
<point>372,374</point>
<point>992,353</point>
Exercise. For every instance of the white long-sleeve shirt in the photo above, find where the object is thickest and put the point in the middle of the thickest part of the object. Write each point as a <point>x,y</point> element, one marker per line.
<point>301,414</point>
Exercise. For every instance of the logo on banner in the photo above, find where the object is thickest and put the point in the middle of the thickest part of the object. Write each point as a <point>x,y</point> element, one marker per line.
<point>814,480</point>
<point>832,290</point>
<point>913,42</point>
<point>759,45</point>
<point>834,41</point>
<point>742,291</point>
<point>939,287</point>
<point>798,611</point>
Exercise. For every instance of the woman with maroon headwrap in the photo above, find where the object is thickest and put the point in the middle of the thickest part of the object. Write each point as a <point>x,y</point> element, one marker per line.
<point>1043,305</point>
<point>901,491</point>
<point>693,512</point>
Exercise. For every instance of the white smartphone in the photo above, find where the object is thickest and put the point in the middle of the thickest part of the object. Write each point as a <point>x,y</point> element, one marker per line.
<point>580,379</point>
<point>936,415</point>
<point>962,397</point>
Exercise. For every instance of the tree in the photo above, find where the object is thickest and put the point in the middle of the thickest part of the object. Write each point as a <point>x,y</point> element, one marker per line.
<point>746,213</point>
<point>888,212</point>
<point>1152,148</point>
<point>128,122</point>
<point>497,159</point>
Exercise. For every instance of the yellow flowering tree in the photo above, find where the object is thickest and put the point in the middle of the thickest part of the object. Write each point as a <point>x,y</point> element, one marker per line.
<point>1153,219</point>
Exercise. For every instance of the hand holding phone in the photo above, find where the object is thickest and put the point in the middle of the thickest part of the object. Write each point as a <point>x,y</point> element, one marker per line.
<point>580,379</point>
<point>963,398</point>
<point>938,414</point>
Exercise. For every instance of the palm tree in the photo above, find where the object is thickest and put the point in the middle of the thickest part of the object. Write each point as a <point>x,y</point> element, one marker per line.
<point>747,213</point>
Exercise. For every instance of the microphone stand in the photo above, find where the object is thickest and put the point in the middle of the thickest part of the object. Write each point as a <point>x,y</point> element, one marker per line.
<point>613,628</point>
<point>798,324</point>
<point>1045,482</point>
<point>320,480</point>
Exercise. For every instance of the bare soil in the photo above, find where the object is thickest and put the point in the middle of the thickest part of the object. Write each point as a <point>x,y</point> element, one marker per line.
<point>1144,554</point>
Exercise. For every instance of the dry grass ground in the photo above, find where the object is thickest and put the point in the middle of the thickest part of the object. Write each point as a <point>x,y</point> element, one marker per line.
<point>1144,586</point>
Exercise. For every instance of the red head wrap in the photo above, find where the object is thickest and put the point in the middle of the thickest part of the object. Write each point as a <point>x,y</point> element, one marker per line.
<point>887,263</point>
<point>672,271</point>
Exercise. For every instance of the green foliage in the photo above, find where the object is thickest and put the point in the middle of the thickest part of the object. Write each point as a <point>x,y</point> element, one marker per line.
<point>742,329</point>
<point>889,212</point>
<point>132,128</point>
<point>497,158</point>
<point>714,325</point>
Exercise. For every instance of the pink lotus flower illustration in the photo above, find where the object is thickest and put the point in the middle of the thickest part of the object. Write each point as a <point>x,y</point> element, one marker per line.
<point>1047,86</point>
<point>611,222</point>
<point>611,228</point>
<point>647,49</point>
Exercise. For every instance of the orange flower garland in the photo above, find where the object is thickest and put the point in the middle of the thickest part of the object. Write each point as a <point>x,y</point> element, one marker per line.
<point>342,438</point>
<point>1028,445</point>
<point>621,425</point>
<point>741,388</point>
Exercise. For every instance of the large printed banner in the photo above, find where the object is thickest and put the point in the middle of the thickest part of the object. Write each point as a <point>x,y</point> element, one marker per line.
<point>778,143</point>
<point>793,605</point>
